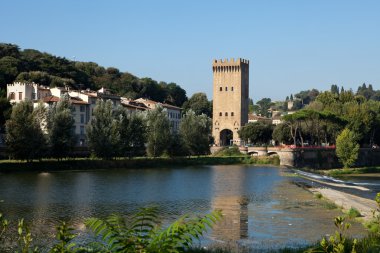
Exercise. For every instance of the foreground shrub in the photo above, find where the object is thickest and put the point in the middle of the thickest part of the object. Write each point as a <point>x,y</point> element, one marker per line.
<point>140,233</point>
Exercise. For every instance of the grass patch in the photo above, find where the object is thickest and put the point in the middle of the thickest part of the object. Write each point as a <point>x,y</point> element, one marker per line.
<point>318,195</point>
<point>353,213</point>
<point>329,205</point>
<point>342,172</point>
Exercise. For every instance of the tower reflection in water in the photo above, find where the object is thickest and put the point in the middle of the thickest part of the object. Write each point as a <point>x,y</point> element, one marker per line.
<point>228,197</point>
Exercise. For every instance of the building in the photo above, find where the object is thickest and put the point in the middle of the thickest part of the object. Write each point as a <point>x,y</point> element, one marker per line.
<point>20,91</point>
<point>252,118</point>
<point>230,99</point>
<point>133,106</point>
<point>173,112</point>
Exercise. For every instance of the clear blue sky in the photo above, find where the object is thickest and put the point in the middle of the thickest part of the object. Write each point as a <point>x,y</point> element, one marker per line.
<point>292,45</point>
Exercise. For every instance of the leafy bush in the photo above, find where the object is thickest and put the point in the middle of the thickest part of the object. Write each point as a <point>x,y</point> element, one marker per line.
<point>141,233</point>
<point>228,151</point>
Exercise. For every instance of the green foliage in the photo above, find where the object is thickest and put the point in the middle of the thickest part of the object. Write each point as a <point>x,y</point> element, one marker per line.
<point>158,131</point>
<point>5,112</point>
<point>281,134</point>
<point>258,133</point>
<point>337,243</point>
<point>142,232</point>
<point>195,131</point>
<point>263,107</point>
<point>132,129</point>
<point>24,137</point>
<point>45,69</point>
<point>60,128</point>
<point>228,151</point>
<point>199,104</point>
<point>347,148</point>
<point>353,213</point>
<point>102,131</point>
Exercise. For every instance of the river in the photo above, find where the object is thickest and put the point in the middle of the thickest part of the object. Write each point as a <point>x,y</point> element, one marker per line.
<point>263,208</point>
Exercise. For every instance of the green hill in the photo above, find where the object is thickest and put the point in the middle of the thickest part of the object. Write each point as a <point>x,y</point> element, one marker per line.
<point>49,70</point>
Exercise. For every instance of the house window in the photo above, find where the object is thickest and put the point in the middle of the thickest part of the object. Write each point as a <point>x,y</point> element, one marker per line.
<point>226,114</point>
<point>220,88</point>
<point>12,96</point>
<point>82,108</point>
<point>82,118</point>
<point>93,101</point>
<point>220,114</point>
<point>73,109</point>
<point>20,96</point>
<point>232,113</point>
<point>34,96</point>
<point>82,130</point>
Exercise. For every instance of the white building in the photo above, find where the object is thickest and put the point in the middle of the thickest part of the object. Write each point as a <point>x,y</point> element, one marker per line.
<point>173,112</point>
<point>20,91</point>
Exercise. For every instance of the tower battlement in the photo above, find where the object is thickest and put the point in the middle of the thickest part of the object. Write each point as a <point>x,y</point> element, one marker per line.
<point>232,61</point>
<point>22,84</point>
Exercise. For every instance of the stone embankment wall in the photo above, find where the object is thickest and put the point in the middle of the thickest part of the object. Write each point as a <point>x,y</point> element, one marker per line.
<point>326,158</point>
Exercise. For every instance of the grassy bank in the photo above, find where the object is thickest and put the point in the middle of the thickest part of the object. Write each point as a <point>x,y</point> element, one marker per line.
<point>125,163</point>
<point>351,171</point>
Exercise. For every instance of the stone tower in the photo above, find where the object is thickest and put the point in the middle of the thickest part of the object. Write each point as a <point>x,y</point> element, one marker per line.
<point>230,99</point>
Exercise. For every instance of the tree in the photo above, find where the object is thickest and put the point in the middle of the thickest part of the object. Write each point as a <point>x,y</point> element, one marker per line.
<point>158,131</point>
<point>102,131</point>
<point>5,112</point>
<point>24,137</point>
<point>281,134</point>
<point>347,148</point>
<point>257,132</point>
<point>199,104</point>
<point>60,125</point>
<point>195,131</point>
<point>175,95</point>
<point>264,105</point>
<point>132,130</point>
<point>250,106</point>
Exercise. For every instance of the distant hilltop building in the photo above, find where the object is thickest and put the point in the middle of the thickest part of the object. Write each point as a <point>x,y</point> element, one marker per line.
<point>230,99</point>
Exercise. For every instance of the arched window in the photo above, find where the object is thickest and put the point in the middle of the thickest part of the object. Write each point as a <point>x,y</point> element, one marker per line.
<point>220,114</point>
<point>232,113</point>
<point>226,114</point>
<point>221,89</point>
<point>226,88</point>
<point>232,88</point>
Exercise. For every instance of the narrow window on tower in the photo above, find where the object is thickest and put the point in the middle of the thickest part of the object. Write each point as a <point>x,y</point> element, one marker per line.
<point>226,113</point>
<point>221,89</point>
<point>232,88</point>
<point>220,114</point>
<point>226,88</point>
<point>232,113</point>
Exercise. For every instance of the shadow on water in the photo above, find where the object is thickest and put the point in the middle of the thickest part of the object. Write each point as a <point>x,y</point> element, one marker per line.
<point>262,209</point>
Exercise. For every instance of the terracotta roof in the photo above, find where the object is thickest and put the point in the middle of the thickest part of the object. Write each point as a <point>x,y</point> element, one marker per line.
<point>54,99</point>
<point>148,101</point>
<point>50,99</point>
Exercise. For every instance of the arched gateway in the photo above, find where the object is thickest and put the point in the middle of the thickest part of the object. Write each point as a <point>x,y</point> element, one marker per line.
<point>230,100</point>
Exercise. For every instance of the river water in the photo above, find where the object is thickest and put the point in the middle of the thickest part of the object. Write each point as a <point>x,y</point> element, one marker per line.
<point>263,208</point>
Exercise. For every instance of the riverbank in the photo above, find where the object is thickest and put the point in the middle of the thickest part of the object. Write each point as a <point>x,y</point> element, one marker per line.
<point>348,201</point>
<point>47,165</point>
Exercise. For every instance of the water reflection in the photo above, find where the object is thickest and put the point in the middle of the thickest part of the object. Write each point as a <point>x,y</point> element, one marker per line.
<point>228,196</point>
<point>252,199</point>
